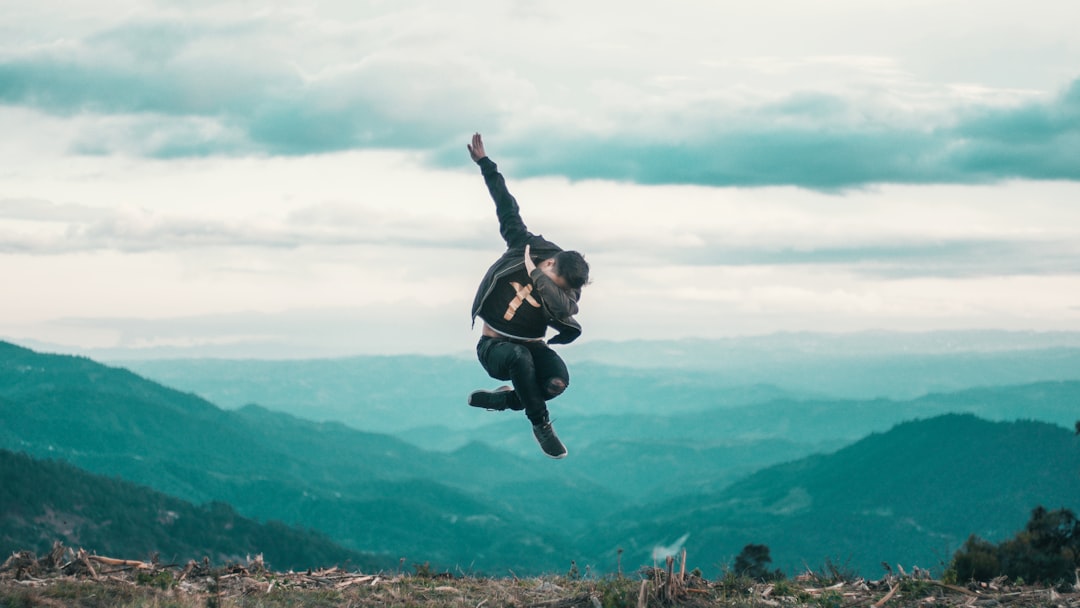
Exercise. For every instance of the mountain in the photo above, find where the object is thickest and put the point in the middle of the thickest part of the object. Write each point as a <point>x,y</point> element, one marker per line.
<point>393,394</point>
<point>907,496</point>
<point>648,454</point>
<point>45,500</point>
<point>776,472</point>
<point>396,393</point>
<point>709,354</point>
<point>368,492</point>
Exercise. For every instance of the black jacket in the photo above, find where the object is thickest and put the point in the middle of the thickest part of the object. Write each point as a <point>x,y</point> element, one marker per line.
<point>560,305</point>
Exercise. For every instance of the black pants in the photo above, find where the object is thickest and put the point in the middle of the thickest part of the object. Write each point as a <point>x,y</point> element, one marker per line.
<point>536,371</point>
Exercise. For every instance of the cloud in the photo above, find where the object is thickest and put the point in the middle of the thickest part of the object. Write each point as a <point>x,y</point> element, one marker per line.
<point>870,257</point>
<point>1036,141</point>
<point>823,142</point>
<point>287,334</point>
<point>39,210</point>
<point>811,158</point>
<point>46,228</point>
<point>211,81</point>
<point>868,237</point>
<point>954,258</point>
<point>276,84</point>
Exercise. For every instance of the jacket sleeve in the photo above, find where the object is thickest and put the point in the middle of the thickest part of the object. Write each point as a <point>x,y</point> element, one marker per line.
<point>511,226</point>
<point>560,305</point>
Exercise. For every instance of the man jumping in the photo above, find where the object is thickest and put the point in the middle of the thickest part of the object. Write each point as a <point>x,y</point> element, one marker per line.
<point>534,285</point>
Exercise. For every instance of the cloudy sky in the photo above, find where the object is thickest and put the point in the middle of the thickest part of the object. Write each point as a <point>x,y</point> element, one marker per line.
<point>291,178</point>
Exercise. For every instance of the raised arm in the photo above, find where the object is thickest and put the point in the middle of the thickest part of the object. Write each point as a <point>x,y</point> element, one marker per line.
<point>511,226</point>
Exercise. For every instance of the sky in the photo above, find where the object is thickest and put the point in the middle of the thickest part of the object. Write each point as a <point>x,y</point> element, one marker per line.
<point>290,179</point>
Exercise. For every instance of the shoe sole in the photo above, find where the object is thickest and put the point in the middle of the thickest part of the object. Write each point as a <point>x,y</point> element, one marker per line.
<point>554,457</point>
<point>475,393</point>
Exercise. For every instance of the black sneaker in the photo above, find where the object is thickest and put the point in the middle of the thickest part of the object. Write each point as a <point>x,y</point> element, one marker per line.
<point>548,440</point>
<point>497,400</point>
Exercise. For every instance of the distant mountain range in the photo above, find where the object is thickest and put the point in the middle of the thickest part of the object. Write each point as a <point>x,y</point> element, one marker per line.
<point>774,469</point>
<point>395,394</point>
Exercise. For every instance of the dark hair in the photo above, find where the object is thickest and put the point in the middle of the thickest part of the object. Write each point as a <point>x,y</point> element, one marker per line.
<point>572,267</point>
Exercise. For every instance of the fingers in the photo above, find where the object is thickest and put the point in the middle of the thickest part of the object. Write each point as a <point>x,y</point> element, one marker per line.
<point>476,148</point>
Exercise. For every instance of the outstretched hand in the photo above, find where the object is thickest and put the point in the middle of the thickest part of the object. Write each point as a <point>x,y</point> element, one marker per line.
<point>529,264</point>
<point>476,148</point>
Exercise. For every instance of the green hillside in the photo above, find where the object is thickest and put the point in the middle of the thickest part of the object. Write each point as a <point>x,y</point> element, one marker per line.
<point>369,492</point>
<point>822,423</point>
<point>908,496</point>
<point>43,501</point>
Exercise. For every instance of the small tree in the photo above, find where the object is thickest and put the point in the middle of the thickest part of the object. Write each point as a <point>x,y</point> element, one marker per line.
<point>753,562</point>
<point>976,560</point>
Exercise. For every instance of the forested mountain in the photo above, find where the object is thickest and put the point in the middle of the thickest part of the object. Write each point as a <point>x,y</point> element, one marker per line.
<point>778,472</point>
<point>908,496</point>
<point>372,493</point>
<point>45,501</point>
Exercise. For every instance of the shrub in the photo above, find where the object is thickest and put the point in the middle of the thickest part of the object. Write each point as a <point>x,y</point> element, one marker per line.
<point>976,560</point>
<point>753,562</point>
<point>1047,550</point>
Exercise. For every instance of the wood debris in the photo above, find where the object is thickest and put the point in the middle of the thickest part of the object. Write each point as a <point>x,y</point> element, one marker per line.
<point>25,569</point>
<point>651,587</point>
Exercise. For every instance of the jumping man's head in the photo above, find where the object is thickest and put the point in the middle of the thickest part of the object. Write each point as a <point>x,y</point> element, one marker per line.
<point>567,269</point>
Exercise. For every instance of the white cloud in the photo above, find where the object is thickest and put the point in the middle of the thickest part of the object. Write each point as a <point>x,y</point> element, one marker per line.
<point>296,333</point>
<point>297,79</point>
<point>135,230</point>
<point>138,177</point>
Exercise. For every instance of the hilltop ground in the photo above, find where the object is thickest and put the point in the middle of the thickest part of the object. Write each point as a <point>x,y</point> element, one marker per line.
<point>75,578</point>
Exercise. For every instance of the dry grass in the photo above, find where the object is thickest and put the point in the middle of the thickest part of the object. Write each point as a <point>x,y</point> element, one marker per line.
<point>66,578</point>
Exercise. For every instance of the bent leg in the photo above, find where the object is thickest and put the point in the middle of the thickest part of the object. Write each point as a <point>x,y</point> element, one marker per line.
<point>506,360</point>
<point>551,374</point>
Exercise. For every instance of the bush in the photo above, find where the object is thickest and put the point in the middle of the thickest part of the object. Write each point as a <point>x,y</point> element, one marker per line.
<point>1047,551</point>
<point>976,560</point>
<point>753,562</point>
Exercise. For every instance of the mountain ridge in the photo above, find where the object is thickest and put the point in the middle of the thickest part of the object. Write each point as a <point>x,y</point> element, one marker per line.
<point>273,466</point>
<point>913,492</point>
<point>394,394</point>
<point>482,506</point>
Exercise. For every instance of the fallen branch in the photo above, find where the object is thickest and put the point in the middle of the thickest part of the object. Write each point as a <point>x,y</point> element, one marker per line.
<point>888,596</point>
<point>955,588</point>
<point>354,581</point>
<point>127,563</point>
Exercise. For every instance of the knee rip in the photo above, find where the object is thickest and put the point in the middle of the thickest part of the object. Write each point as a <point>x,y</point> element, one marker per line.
<point>555,386</point>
